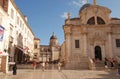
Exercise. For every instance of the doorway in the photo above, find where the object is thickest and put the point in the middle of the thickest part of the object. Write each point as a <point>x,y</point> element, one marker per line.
<point>98,54</point>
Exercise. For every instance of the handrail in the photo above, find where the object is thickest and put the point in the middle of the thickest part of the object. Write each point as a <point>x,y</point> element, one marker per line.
<point>118,59</point>
<point>91,64</point>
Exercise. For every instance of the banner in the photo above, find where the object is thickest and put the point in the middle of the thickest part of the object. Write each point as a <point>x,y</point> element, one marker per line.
<point>1,32</point>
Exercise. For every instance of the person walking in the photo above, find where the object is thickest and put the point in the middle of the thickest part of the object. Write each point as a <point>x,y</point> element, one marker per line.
<point>59,66</point>
<point>118,69</point>
<point>112,62</point>
<point>14,69</point>
<point>105,63</point>
<point>43,66</point>
<point>34,65</point>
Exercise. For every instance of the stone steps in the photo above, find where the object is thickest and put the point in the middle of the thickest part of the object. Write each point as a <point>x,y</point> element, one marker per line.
<point>82,63</point>
<point>100,65</point>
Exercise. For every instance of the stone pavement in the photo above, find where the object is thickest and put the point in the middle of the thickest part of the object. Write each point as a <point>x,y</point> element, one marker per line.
<point>91,74</point>
<point>64,74</point>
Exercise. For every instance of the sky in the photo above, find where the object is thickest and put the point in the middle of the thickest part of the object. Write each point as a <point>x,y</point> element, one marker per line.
<point>48,16</point>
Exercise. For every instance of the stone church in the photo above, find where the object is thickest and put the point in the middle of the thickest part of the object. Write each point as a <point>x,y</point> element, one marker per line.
<point>51,52</point>
<point>93,34</point>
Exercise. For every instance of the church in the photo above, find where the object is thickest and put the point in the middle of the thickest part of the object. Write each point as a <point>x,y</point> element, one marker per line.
<point>91,35</point>
<point>50,53</point>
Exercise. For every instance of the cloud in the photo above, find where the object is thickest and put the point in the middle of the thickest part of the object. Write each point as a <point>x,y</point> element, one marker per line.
<point>65,15</point>
<point>84,1</point>
<point>78,3</point>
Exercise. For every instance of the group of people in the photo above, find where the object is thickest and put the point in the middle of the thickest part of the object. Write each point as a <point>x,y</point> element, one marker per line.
<point>112,64</point>
<point>109,61</point>
<point>43,65</point>
<point>35,65</point>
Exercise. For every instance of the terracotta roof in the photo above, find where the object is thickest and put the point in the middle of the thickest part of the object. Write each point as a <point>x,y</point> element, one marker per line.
<point>115,18</point>
<point>36,39</point>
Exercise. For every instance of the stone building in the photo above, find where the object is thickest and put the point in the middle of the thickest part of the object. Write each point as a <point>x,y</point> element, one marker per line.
<point>51,52</point>
<point>18,38</point>
<point>36,53</point>
<point>92,35</point>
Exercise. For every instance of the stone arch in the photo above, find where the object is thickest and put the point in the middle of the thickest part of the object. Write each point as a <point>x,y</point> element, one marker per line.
<point>98,54</point>
<point>100,20</point>
<point>91,21</point>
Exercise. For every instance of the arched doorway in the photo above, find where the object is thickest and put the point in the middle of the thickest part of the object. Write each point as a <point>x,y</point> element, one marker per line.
<point>98,54</point>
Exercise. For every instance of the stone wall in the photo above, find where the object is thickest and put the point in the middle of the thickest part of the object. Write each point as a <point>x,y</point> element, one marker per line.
<point>4,64</point>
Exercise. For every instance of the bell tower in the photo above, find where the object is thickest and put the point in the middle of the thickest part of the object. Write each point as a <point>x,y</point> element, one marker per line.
<point>53,40</point>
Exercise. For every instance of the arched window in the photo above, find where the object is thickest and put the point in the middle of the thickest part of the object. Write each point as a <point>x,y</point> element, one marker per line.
<point>91,21</point>
<point>100,20</point>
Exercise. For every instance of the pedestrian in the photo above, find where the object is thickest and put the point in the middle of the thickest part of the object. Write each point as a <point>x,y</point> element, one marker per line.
<point>14,69</point>
<point>112,62</point>
<point>59,66</point>
<point>105,62</point>
<point>118,69</point>
<point>34,65</point>
<point>47,65</point>
<point>43,66</point>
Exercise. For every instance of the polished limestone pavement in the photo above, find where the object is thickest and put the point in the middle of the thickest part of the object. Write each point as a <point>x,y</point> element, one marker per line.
<point>33,74</point>
<point>64,74</point>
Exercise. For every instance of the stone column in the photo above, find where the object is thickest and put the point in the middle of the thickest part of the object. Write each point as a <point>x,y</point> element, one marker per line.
<point>103,50</point>
<point>85,43</point>
<point>110,51</point>
<point>91,48</point>
<point>92,51</point>
<point>68,44</point>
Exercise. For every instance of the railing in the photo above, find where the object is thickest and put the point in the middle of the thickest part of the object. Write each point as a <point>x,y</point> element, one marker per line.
<point>91,64</point>
<point>118,59</point>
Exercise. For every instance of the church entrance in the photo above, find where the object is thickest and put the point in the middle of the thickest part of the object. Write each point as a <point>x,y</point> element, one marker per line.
<point>98,53</point>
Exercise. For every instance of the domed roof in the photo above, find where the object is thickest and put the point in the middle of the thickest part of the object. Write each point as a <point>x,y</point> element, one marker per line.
<point>53,37</point>
<point>85,6</point>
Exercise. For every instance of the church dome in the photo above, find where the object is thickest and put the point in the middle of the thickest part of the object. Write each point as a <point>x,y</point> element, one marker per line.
<point>53,40</point>
<point>84,6</point>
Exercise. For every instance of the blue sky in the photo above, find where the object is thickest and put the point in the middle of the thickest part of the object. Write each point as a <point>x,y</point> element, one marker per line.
<point>48,16</point>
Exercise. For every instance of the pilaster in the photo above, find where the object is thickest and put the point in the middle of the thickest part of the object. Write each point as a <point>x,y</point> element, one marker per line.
<point>85,43</point>
<point>68,46</point>
<point>110,44</point>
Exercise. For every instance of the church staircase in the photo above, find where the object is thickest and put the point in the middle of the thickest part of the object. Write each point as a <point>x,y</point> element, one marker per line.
<point>77,62</point>
<point>99,65</point>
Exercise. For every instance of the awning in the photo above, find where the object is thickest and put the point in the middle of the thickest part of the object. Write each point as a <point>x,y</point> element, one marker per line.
<point>20,48</point>
<point>3,54</point>
<point>26,48</point>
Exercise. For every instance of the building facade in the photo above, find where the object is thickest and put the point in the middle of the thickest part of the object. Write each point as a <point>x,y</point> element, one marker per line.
<point>18,37</point>
<point>94,34</point>
<point>51,52</point>
<point>36,54</point>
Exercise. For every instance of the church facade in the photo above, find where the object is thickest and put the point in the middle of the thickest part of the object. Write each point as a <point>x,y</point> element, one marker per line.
<point>50,53</point>
<point>92,35</point>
